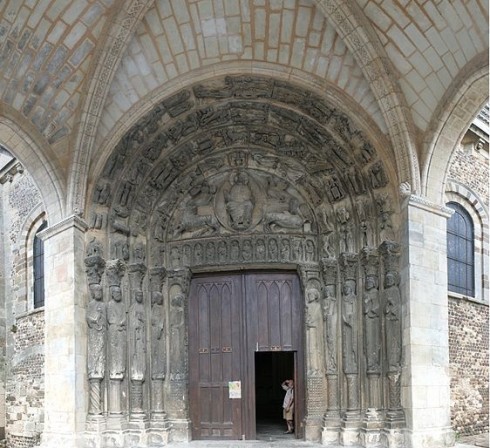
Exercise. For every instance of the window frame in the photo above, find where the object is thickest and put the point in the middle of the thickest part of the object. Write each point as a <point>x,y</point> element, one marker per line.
<point>460,236</point>
<point>38,268</point>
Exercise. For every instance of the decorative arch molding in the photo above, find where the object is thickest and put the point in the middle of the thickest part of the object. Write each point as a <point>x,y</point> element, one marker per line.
<point>331,93</point>
<point>103,67</point>
<point>477,209</point>
<point>184,132</point>
<point>35,157</point>
<point>371,57</point>
<point>466,97</point>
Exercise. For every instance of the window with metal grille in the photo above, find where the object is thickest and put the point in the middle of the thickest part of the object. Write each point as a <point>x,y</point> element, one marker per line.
<point>38,268</point>
<point>460,251</point>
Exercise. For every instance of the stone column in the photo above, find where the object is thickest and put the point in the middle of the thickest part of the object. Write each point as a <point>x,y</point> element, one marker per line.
<point>372,312</point>
<point>330,308</point>
<point>97,329</point>
<point>178,284</point>
<point>159,425</point>
<point>137,340</point>
<point>425,392</point>
<point>66,381</point>
<point>315,377</point>
<point>350,308</point>
<point>116,341</point>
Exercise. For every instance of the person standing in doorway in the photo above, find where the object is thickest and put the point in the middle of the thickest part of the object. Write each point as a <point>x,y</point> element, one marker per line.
<point>288,405</point>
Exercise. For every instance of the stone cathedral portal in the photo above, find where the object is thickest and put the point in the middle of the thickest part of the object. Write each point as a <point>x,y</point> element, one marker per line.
<point>258,176</point>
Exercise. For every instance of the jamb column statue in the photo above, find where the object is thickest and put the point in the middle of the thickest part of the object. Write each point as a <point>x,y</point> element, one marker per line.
<point>393,332</point>
<point>158,342</point>
<point>97,328</point>
<point>350,352</point>
<point>116,317</point>
<point>372,310</point>
<point>177,408</point>
<point>137,340</point>
<point>330,306</point>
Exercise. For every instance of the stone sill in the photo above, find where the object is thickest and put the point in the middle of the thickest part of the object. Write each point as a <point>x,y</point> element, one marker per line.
<point>455,295</point>
<point>29,313</point>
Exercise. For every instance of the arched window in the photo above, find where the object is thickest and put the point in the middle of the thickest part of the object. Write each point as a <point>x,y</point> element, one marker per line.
<point>460,251</point>
<point>38,268</point>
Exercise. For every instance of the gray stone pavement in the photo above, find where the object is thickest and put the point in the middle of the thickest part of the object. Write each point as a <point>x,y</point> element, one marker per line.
<point>480,441</point>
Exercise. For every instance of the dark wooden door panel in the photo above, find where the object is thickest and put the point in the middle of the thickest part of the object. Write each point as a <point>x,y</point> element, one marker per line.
<point>274,313</point>
<point>215,357</point>
<point>230,318</point>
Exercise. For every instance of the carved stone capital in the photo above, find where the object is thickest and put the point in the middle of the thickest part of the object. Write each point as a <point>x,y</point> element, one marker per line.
<point>115,271</point>
<point>94,267</point>
<point>137,272</point>
<point>329,267</point>
<point>180,277</point>
<point>348,264</point>
<point>390,251</point>
<point>370,261</point>
<point>157,277</point>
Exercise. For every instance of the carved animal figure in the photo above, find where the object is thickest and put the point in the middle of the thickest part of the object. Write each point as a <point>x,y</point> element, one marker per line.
<point>191,220</point>
<point>290,218</point>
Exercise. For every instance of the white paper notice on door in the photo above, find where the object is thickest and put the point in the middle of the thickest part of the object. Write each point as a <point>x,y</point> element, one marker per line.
<point>235,389</point>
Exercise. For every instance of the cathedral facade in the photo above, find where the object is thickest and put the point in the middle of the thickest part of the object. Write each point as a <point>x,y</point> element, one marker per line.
<point>203,198</point>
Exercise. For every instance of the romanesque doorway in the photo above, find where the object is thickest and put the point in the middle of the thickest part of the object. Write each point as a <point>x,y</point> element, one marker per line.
<point>232,319</point>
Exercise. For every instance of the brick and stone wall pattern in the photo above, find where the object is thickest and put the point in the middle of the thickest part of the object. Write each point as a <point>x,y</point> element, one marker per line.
<point>468,321</point>
<point>468,358</point>
<point>24,376</point>
<point>472,170</point>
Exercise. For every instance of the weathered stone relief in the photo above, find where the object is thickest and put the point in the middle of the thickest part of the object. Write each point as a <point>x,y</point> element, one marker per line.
<point>392,303</point>
<point>372,317</point>
<point>158,339</point>
<point>330,308</point>
<point>350,329</point>
<point>371,308</point>
<point>137,333</point>
<point>313,330</point>
<point>96,318</point>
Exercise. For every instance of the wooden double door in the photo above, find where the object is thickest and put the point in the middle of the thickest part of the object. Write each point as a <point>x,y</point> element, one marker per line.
<point>231,318</point>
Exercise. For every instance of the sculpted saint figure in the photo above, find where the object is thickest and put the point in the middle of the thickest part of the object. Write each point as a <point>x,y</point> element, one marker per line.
<point>177,328</point>
<point>313,325</point>
<point>392,301</point>
<point>372,324</point>
<point>158,359</point>
<point>97,329</point>
<point>116,317</point>
<point>349,334</point>
<point>239,201</point>
<point>138,337</point>
<point>330,318</point>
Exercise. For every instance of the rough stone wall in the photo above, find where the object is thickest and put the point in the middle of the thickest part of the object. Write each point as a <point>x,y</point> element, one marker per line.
<point>468,321</point>
<point>468,358</point>
<point>471,169</point>
<point>24,327</point>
